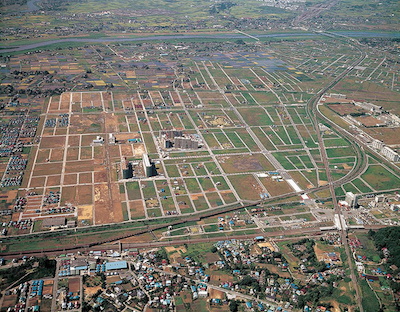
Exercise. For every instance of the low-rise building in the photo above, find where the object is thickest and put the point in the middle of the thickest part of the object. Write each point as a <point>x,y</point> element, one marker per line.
<point>53,222</point>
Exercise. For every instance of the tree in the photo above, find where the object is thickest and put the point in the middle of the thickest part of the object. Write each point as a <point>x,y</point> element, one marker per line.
<point>233,306</point>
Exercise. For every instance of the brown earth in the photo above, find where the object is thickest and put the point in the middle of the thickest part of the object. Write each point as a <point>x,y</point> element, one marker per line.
<point>90,291</point>
<point>107,210</point>
<point>52,142</point>
<point>345,109</point>
<point>70,178</point>
<point>111,123</point>
<point>56,154</point>
<point>389,136</point>
<point>137,208</point>
<point>85,177</point>
<point>216,294</point>
<point>47,169</point>
<point>73,140</point>
<point>53,180</point>
<point>84,194</point>
<point>85,212</point>
<point>79,166</point>
<point>37,182</point>
<point>276,188</point>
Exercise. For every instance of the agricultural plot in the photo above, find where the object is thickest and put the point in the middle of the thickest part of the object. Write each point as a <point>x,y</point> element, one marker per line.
<point>378,177</point>
<point>246,110</point>
<point>75,168</point>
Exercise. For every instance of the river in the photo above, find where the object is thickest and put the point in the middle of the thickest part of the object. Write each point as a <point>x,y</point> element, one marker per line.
<point>32,6</point>
<point>356,34</point>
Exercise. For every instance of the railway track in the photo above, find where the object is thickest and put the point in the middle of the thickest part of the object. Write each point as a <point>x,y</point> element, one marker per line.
<point>360,165</point>
<point>359,168</point>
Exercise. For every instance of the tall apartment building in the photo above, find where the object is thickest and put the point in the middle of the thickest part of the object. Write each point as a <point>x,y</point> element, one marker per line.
<point>351,199</point>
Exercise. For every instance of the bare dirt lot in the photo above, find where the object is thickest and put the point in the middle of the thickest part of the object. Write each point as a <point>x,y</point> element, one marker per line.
<point>74,285</point>
<point>216,294</point>
<point>246,186</point>
<point>137,209</point>
<point>175,253</point>
<point>108,208</point>
<point>69,195</point>
<point>369,121</point>
<point>111,123</point>
<point>79,166</point>
<point>244,163</point>
<point>389,136</point>
<point>53,180</point>
<point>73,140</point>
<point>70,178</point>
<point>85,212</point>
<point>47,169</point>
<point>37,182</point>
<point>345,109</point>
<point>275,188</point>
<point>85,177</point>
<point>84,194</point>
<point>90,291</point>
<point>56,154</point>
<point>43,155</point>
<point>52,142</point>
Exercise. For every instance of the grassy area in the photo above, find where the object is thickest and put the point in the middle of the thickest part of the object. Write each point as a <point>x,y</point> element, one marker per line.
<point>198,251</point>
<point>369,301</point>
<point>380,178</point>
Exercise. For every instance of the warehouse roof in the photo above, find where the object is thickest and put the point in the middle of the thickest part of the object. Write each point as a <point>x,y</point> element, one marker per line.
<point>116,265</point>
<point>49,222</point>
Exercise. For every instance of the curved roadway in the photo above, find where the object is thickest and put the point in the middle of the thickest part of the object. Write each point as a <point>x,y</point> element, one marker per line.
<point>315,115</point>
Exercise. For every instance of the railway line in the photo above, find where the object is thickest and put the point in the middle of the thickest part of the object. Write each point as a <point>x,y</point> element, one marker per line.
<point>360,165</point>
<point>358,169</point>
<point>282,234</point>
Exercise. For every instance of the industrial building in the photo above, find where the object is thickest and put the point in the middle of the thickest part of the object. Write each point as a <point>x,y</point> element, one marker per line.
<point>171,133</point>
<point>98,140</point>
<point>176,139</point>
<point>118,265</point>
<point>185,143</point>
<point>112,139</point>
<point>53,222</point>
<point>372,108</point>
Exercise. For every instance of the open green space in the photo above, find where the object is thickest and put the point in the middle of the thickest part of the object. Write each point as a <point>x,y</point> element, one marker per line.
<point>379,178</point>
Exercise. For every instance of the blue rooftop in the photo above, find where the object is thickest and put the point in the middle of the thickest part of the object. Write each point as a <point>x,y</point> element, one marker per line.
<point>116,265</point>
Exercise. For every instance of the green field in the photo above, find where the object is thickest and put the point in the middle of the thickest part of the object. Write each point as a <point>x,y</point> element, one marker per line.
<point>380,178</point>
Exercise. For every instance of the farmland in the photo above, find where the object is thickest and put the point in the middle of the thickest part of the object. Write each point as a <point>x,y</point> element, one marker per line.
<point>252,135</point>
<point>187,123</point>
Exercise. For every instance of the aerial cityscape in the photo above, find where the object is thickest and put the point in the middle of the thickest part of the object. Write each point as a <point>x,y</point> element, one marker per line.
<point>182,155</point>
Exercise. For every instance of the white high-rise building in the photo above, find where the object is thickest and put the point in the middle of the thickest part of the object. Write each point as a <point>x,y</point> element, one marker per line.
<point>390,154</point>
<point>351,199</point>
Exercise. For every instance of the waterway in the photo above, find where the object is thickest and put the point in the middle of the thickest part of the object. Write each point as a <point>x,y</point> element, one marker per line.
<point>360,34</point>
<point>32,6</point>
